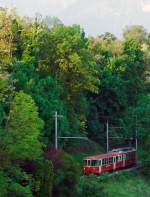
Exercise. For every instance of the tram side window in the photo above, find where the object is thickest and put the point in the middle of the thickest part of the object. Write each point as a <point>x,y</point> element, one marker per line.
<point>94,163</point>
<point>120,157</point>
<point>107,160</point>
<point>104,161</point>
<point>128,155</point>
<point>110,160</point>
<point>116,158</point>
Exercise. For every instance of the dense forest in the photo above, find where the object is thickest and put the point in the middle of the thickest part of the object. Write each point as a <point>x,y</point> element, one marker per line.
<point>45,67</point>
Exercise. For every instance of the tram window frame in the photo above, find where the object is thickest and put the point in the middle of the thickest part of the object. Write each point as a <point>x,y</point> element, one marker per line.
<point>114,160</point>
<point>100,162</point>
<point>89,162</point>
<point>107,160</point>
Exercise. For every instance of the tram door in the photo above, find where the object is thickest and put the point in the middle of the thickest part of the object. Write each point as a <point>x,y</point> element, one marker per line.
<point>114,163</point>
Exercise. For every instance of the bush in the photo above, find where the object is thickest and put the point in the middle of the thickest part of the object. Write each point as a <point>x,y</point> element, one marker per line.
<point>46,182</point>
<point>66,171</point>
<point>90,186</point>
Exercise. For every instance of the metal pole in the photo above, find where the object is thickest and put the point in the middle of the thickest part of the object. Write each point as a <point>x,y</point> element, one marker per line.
<point>107,125</point>
<point>56,142</point>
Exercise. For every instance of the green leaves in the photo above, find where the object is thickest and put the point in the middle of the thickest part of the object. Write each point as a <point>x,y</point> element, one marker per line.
<point>23,128</point>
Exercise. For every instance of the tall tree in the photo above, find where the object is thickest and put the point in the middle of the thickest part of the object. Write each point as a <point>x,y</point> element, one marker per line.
<point>22,137</point>
<point>46,93</point>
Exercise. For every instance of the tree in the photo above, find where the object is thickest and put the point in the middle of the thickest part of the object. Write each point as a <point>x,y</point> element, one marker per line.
<point>134,70</point>
<point>136,32</point>
<point>46,93</point>
<point>17,39</point>
<point>51,22</point>
<point>108,36</point>
<point>142,111</point>
<point>120,77</point>
<point>22,138</point>
<point>6,94</point>
<point>9,36</point>
<point>62,53</point>
<point>111,100</point>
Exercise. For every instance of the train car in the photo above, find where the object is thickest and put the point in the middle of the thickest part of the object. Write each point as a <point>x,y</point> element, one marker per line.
<point>114,160</point>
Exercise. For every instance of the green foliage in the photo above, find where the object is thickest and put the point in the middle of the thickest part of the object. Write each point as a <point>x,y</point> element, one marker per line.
<point>121,82</point>
<point>6,95</point>
<point>10,183</point>
<point>46,93</point>
<point>126,185</point>
<point>90,186</point>
<point>23,128</point>
<point>135,32</point>
<point>63,53</point>
<point>4,182</point>
<point>134,72</point>
<point>17,39</point>
<point>108,36</point>
<point>66,177</point>
<point>45,176</point>
<point>142,111</point>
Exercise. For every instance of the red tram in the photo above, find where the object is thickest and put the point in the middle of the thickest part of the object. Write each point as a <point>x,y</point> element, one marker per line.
<point>114,160</point>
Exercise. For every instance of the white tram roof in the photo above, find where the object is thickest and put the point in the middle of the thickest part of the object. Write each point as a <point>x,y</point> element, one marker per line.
<point>114,152</point>
<point>124,149</point>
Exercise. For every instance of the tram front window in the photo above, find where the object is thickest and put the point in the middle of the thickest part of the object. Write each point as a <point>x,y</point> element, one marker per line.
<point>85,163</point>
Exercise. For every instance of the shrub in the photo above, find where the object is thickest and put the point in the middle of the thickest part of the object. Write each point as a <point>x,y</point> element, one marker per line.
<point>90,186</point>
